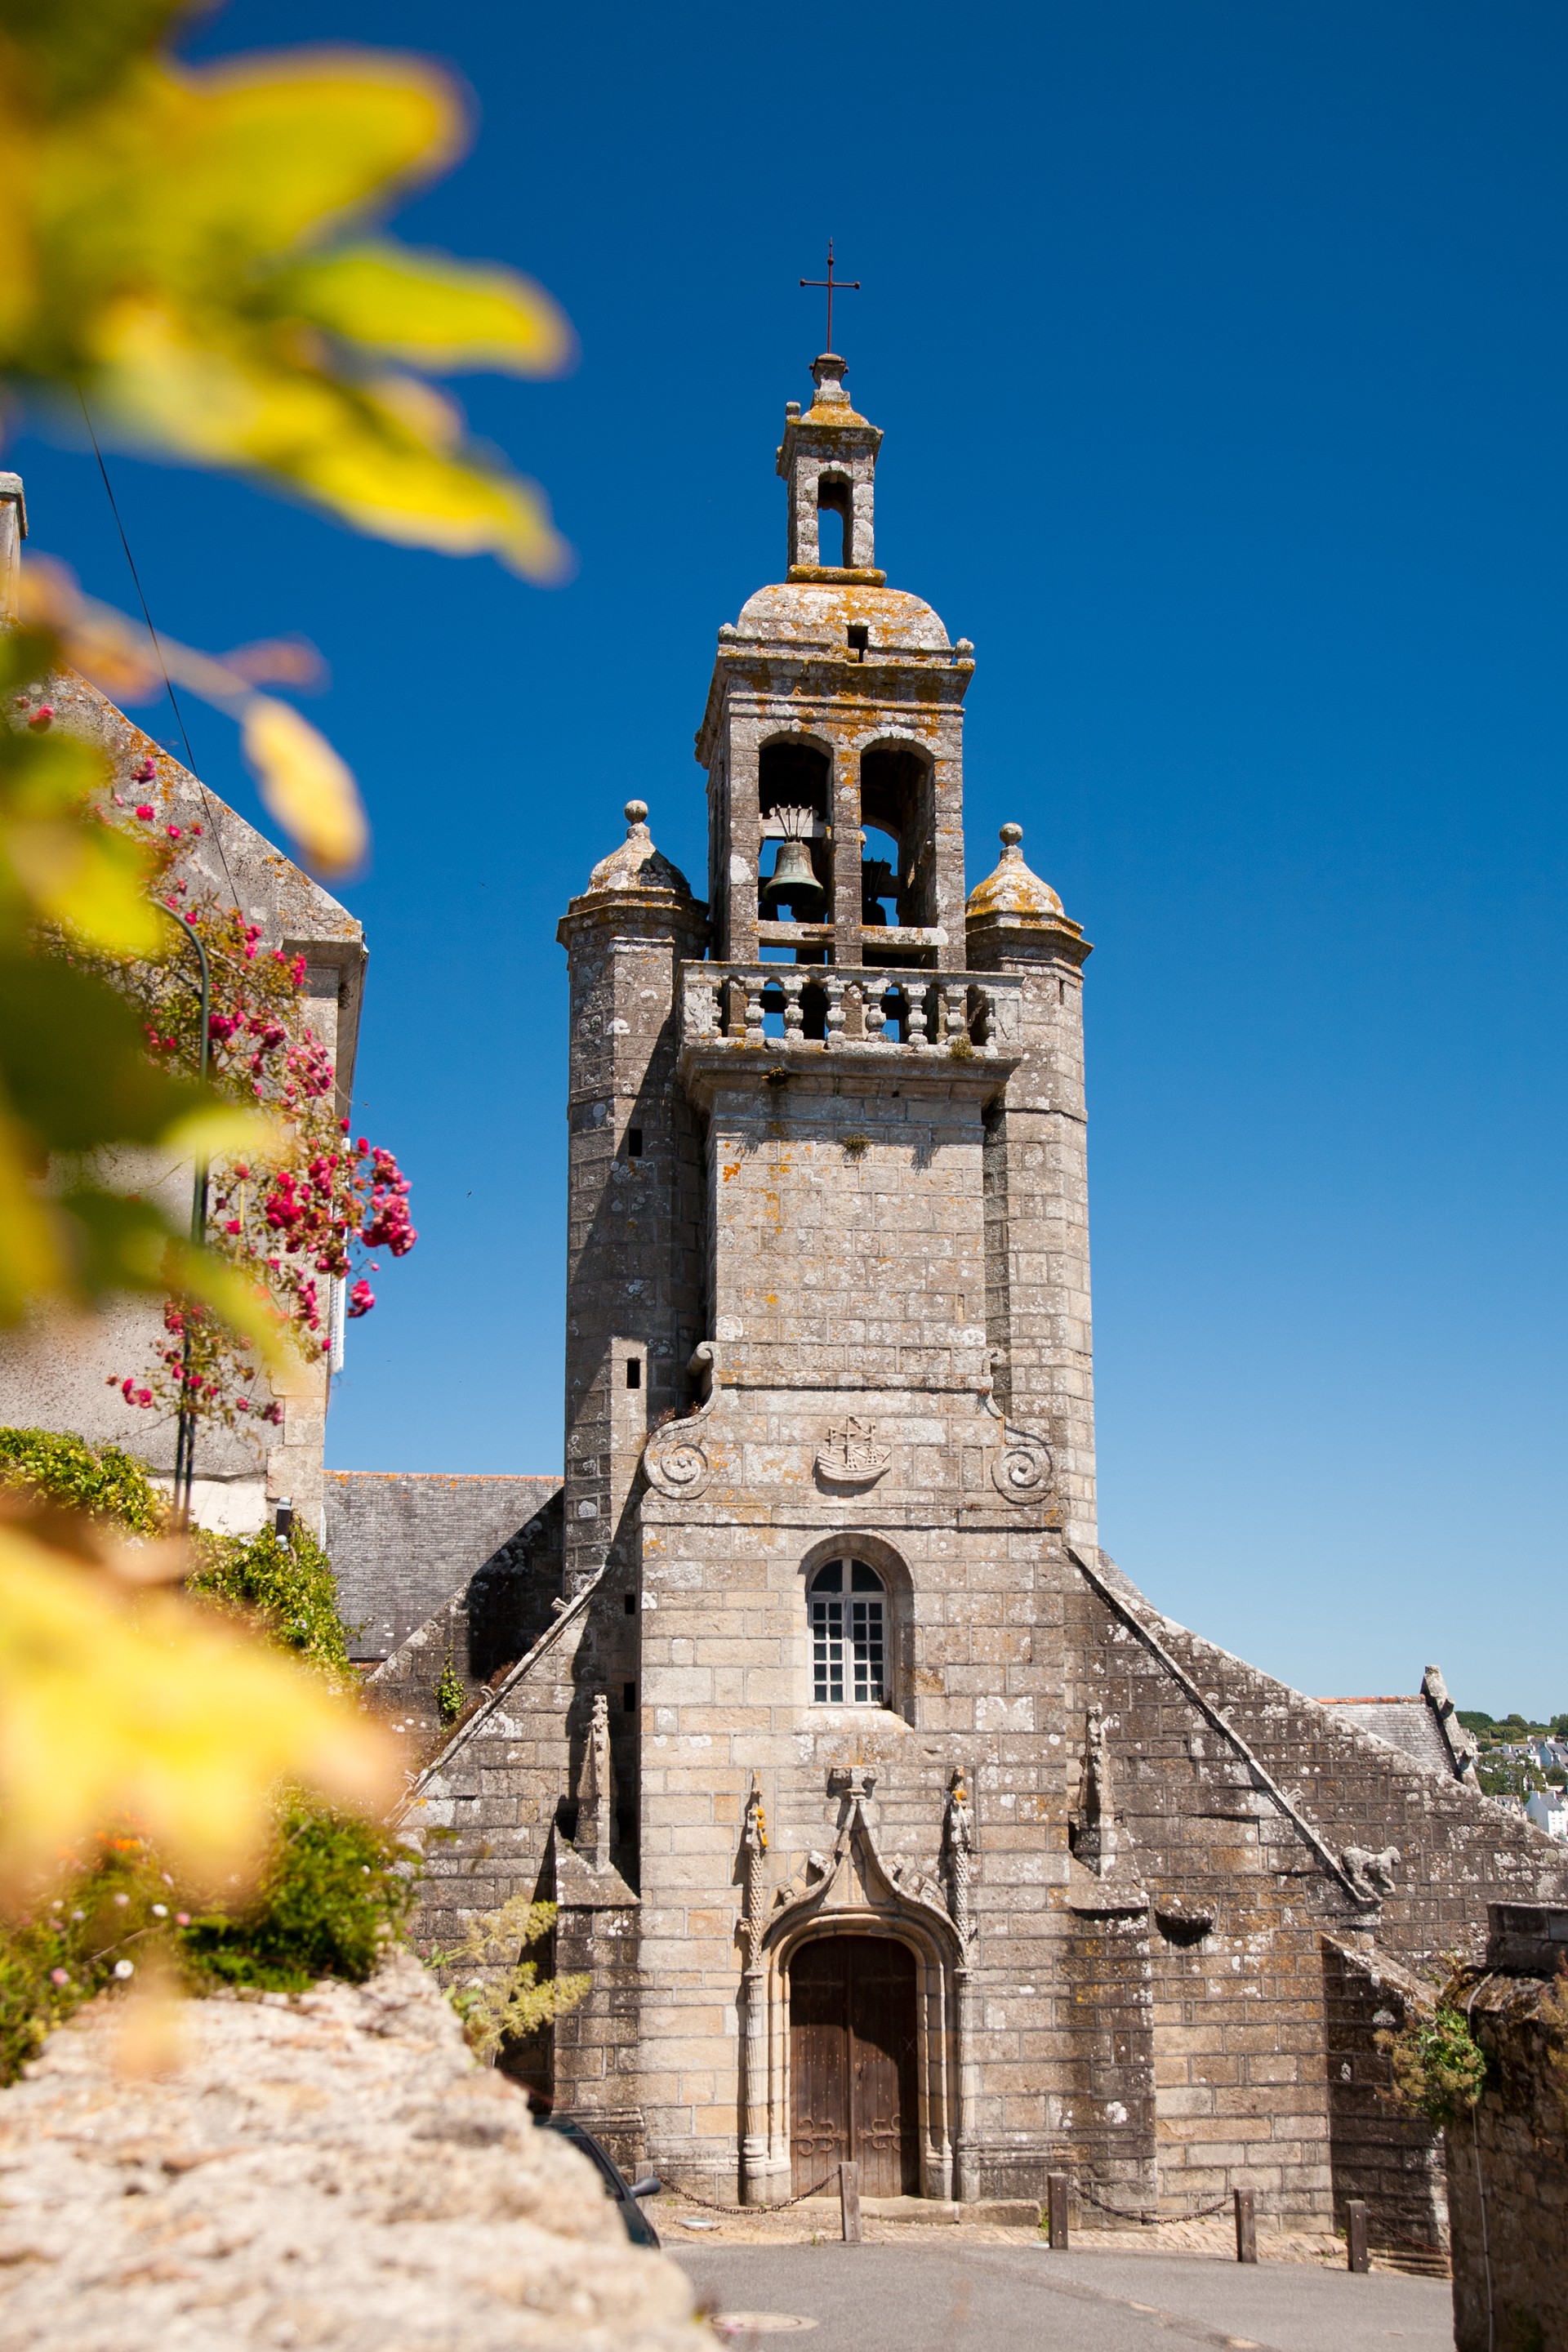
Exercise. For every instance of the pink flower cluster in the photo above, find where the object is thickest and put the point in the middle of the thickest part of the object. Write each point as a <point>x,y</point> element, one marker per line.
<point>316,1216</point>
<point>388,1225</point>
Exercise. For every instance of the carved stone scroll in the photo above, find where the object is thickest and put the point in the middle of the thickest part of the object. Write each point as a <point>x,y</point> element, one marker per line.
<point>675,1459</point>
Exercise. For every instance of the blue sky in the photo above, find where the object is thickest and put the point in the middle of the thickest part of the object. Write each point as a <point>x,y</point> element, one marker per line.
<point>1221,355</point>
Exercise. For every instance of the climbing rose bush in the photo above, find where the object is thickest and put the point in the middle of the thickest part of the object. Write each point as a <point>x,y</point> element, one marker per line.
<point>313,1213</point>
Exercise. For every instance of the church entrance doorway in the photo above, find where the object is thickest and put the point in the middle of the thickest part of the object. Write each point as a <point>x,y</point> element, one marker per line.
<point>852,2063</point>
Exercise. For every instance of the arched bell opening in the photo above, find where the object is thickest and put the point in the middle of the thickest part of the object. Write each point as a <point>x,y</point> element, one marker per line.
<point>795,875</point>
<point>834,521</point>
<point>898,872</point>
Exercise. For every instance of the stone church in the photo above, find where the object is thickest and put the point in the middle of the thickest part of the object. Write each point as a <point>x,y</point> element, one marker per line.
<point>893,1823</point>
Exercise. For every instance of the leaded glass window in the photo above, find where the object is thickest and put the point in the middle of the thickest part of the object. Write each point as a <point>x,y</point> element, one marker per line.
<point>848,1609</point>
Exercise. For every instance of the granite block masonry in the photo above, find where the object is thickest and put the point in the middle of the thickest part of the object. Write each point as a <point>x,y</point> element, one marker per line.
<point>1508,2157</point>
<point>892,1821</point>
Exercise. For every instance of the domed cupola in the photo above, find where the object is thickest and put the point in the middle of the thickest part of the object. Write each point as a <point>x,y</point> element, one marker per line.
<point>1011,903</point>
<point>636,866</point>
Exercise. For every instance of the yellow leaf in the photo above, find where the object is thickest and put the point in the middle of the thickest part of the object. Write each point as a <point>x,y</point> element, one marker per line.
<point>386,457</point>
<point>289,143</point>
<point>32,1262</point>
<point>435,312</point>
<point>115,1704</point>
<point>86,877</point>
<point>183,179</point>
<point>305,784</point>
<point>226,1128</point>
<point>235,1300</point>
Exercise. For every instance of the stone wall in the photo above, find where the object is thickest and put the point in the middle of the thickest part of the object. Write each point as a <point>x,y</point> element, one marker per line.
<point>1508,2160</point>
<point>1256,2016</point>
<point>332,2169</point>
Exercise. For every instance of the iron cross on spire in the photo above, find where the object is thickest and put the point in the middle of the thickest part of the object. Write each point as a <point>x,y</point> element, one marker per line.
<point>839,285</point>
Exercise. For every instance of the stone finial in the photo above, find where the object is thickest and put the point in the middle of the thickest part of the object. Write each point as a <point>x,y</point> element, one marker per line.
<point>596,1790</point>
<point>827,373</point>
<point>958,1848</point>
<point>1093,1828</point>
<point>1013,890</point>
<point>636,865</point>
<point>1463,1749</point>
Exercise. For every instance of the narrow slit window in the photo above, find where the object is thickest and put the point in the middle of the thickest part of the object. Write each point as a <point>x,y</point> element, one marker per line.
<point>631,1604</point>
<point>634,1371</point>
<point>859,639</point>
<point>849,1610</point>
<point>634,1143</point>
<point>629,1697</point>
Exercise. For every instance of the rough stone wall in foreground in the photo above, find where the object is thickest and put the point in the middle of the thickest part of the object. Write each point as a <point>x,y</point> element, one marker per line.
<point>1508,2161</point>
<point>332,2169</point>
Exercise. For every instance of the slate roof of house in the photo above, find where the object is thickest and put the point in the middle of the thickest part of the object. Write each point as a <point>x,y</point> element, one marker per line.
<point>402,1542</point>
<point>1408,1724</point>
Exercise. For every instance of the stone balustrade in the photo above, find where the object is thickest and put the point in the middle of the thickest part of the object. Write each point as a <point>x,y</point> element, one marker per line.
<point>827,1007</point>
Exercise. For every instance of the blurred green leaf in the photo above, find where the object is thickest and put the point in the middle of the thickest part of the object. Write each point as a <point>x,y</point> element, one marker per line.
<point>73,1062</point>
<point>167,246</point>
<point>438,314</point>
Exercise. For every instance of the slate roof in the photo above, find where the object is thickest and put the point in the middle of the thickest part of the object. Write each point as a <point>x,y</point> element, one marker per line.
<point>402,1542</point>
<point>1408,1724</point>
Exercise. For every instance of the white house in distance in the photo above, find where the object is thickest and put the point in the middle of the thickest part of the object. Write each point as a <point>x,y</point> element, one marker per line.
<point>1548,1808</point>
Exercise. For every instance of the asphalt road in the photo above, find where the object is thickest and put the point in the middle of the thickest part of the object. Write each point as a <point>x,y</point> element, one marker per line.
<point>979,2298</point>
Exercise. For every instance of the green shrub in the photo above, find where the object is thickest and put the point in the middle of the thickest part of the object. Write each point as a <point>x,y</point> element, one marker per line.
<point>505,2000</point>
<point>102,1480</point>
<point>451,1695</point>
<point>337,1892</point>
<point>285,1581</point>
<point>1439,2068</point>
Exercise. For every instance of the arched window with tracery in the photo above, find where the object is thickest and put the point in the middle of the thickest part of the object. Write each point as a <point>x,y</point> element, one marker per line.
<point>848,1606</point>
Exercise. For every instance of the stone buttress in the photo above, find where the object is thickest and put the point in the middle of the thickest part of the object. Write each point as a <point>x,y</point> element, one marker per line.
<point>892,1825</point>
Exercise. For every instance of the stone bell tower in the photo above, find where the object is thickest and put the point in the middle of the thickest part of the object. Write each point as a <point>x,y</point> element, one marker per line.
<point>847,1545</point>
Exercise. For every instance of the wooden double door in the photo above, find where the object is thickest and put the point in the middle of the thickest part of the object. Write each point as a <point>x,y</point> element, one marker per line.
<point>854,2084</point>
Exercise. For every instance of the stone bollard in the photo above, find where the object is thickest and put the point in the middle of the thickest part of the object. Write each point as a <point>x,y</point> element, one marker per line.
<point>849,2202</point>
<point>1246,2226</point>
<point>1355,2234</point>
<point>1057,2210</point>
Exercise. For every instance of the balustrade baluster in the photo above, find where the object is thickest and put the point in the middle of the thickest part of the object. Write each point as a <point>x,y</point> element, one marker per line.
<point>835,1022</point>
<point>793,982</point>
<point>956,1001</point>
<point>754,984</point>
<point>874,1013</point>
<point>915,1015</point>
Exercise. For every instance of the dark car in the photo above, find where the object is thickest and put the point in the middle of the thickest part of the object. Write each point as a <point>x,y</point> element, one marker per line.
<point>639,2228</point>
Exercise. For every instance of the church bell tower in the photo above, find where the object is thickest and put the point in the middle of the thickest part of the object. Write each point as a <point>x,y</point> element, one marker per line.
<point>838,1550</point>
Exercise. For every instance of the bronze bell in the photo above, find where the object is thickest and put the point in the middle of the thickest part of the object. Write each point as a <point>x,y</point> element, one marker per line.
<point>793,879</point>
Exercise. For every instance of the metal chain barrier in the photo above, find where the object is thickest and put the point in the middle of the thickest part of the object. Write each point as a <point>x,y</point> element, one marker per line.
<point>689,2197</point>
<point>1118,2213</point>
<point>1151,2220</point>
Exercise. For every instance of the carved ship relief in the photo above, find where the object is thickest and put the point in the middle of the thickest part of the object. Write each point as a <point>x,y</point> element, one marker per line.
<point>852,1457</point>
